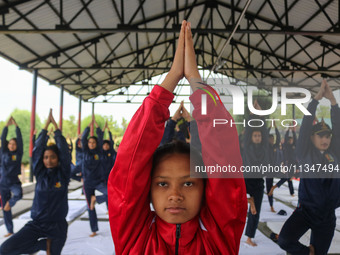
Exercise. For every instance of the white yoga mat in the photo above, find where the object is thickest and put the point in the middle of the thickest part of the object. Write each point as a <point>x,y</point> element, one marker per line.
<point>76,194</point>
<point>79,243</point>
<point>18,224</point>
<point>266,215</point>
<point>101,211</point>
<point>283,194</point>
<point>265,246</point>
<point>76,208</point>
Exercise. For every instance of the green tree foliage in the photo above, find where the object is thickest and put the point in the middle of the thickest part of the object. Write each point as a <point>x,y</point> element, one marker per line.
<point>70,127</point>
<point>323,111</point>
<point>87,120</point>
<point>23,119</point>
<point>116,129</point>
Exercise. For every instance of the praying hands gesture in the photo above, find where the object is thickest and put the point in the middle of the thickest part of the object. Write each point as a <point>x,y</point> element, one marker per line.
<point>184,64</point>
<point>50,120</point>
<point>326,92</point>
<point>11,121</point>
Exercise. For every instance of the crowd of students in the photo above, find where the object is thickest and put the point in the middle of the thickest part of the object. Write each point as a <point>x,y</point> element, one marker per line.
<point>191,214</point>
<point>52,168</point>
<point>318,145</point>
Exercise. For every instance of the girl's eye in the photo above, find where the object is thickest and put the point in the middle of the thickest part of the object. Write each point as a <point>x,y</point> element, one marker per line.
<point>188,184</point>
<point>162,184</point>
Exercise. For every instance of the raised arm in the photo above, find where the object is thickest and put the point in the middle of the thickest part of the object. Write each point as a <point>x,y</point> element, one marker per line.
<point>169,131</point>
<point>219,147</point>
<point>20,145</point>
<point>4,140</point>
<point>38,152</point>
<point>335,118</point>
<point>286,136</point>
<point>304,141</point>
<point>100,135</point>
<point>84,138</point>
<point>129,181</point>
<point>64,154</point>
<point>294,137</point>
<point>111,140</point>
<point>278,136</point>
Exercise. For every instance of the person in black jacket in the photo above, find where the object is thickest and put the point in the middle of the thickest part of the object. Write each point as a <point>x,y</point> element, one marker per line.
<point>93,173</point>
<point>317,146</point>
<point>109,154</point>
<point>10,183</point>
<point>177,127</point>
<point>289,155</point>
<point>273,151</point>
<point>76,170</point>
<point>255,153</point>
<point>48,228</point>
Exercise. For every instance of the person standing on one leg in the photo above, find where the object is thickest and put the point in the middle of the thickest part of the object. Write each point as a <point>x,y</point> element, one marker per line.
<point>255,153</point>
<point>273,151</point>
<point>109,154</point>
<point>12,152</point>
<point>318,192</point>
<point>47,230</point>
<point>93,173</point>
<point>289,155</point>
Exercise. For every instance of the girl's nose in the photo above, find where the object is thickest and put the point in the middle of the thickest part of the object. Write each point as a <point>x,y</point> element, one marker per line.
<point>175,195</point>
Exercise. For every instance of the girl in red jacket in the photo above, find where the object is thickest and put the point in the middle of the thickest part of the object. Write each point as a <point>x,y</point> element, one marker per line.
<point>192,215</point>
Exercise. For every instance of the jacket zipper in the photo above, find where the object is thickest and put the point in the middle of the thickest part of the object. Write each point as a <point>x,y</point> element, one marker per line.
<point>178,235</point>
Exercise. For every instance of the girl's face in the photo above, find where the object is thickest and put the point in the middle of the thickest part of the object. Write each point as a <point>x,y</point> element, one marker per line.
<point>50,159</point>
<point>176,196</point>
<point>12,145</point>
<point>256,137</point>
<point>92,143</point>
<point>106,146</point>
<point>322,143</point>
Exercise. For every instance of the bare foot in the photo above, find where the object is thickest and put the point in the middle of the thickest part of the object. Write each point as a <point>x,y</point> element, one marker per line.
<point>311,250</point>
<point>250,242</point>
<point>272,209</point>
<point>93,234</point>
<point>93,201</point>
<point>292,195</point>
<point>8,234</point>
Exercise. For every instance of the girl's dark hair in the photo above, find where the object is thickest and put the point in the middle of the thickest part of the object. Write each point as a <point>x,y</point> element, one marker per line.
<point>53,148</point>
<point>95,138</point>
<point>179,147</point>
<point>107,141</point>
<point>13,139</point>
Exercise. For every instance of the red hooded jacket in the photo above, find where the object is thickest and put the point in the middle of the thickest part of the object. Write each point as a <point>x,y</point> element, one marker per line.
<point>138,230</point>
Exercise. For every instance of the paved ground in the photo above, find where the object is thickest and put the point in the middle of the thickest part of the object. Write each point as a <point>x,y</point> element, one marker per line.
<point>79,242</point>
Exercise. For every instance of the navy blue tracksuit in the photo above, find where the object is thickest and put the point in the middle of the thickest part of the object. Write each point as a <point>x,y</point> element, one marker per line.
<point>289,157</point>
<point>93,174</point>
<point>108,160</point>
<point>318,197</point>
<point>171,134</point>
<point>273,152</point>
<point>9,181</point>
<point>50,204</point>
<point>77,169</point>
<point>254,155</point>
